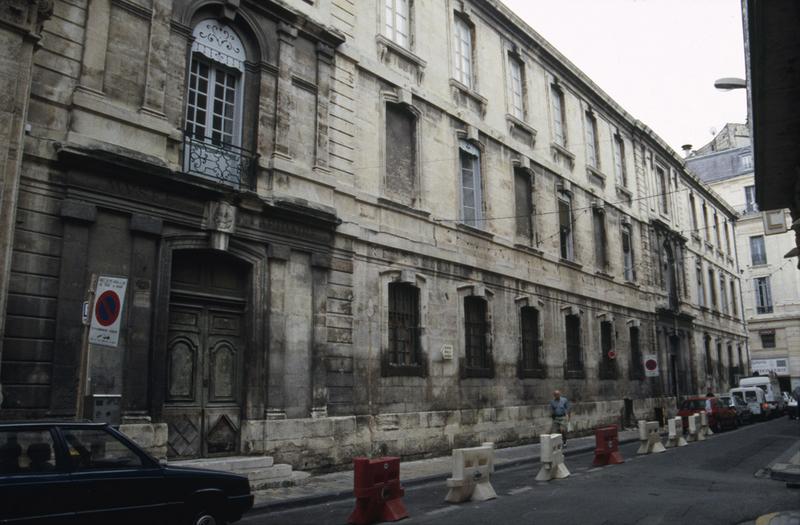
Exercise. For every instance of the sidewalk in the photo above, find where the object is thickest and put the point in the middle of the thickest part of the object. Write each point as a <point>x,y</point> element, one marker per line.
<point>338,485</point>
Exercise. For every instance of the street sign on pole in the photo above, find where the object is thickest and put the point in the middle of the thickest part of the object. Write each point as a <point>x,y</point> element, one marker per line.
<point>107,310</point>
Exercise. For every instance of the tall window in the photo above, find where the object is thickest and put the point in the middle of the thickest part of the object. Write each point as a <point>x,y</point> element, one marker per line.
<point>401,153</point>
<point>463,51</point>
<point>707,234</point>
<point>608,369</point>
<point>712,288</point>
<point>720,364</point>
<point>565,226</point>
<point>693,211</point>
<point>727,237</point>
<point>716,231</point>
<point>763,292</point>
<point>723,294</point>
<point>701,289</point>
<point>663,185</point>
<point>627,252</point>
<point>750,205</point>
<point>709,362</point>
<point>471,188</point>
<point>397,21</point>
<point>746,162</point>
<point>214,100</point>
<point>574,352</point>
<point>731,368</point>
<point>516,89</point>
<point>476,331</point>
<point>559,116</point>
<point>592,156</point>
<point>619,162</point>
<point>637,366</point>
<point>758,252</point>
<point>403,325</point>
<point>734,301</point>
<point>767,339</point>
<point>523,204</point>
<point>531,342</point>
<point>599,219</point>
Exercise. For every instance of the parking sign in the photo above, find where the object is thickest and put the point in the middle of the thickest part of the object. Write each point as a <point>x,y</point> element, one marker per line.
<point>107,310</point>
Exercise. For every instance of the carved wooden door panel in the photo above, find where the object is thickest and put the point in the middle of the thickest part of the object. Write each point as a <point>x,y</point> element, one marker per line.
<point>204,370</point>
<point>222,382</point>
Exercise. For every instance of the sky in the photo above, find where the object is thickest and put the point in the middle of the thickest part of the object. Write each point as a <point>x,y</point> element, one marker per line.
<point>658,59</point>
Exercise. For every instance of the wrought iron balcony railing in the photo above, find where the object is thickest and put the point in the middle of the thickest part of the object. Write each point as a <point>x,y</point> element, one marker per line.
<point>223,163</point>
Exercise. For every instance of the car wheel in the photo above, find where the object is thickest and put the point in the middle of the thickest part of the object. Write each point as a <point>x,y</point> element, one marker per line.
<point>207,518</point>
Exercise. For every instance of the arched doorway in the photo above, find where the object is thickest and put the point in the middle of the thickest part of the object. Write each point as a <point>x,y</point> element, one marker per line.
<point>206,334</point>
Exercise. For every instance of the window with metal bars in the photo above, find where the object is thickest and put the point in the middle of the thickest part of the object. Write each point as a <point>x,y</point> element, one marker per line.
<point>608,366</point>
<point>478,361</point>
<point>763,293</point>
<point>637,364</point>
<point>531,352</point>
<point>574,351</point>
<point>404,346</point>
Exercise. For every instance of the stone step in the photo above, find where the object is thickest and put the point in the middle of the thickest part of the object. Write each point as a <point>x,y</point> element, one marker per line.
<point>261,471</point>
<point>239,464</point>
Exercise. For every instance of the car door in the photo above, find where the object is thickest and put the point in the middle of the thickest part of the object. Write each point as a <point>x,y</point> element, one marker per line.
<point>114,481</point>
<point>34,481</point>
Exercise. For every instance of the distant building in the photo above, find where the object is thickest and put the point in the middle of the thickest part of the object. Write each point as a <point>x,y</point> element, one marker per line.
<point>770,283</point>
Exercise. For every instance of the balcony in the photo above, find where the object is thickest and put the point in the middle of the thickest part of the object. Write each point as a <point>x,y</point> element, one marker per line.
<point>222,163</point>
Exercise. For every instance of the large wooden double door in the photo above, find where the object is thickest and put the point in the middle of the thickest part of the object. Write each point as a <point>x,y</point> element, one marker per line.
<point>205,356</point>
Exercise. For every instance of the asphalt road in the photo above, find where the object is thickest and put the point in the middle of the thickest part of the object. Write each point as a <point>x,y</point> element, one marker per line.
<point>705,483</point>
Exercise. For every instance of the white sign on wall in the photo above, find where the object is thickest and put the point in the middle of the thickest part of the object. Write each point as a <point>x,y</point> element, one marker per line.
<point>107,311</point>
<point>651,365</point>
<point>778,365</point>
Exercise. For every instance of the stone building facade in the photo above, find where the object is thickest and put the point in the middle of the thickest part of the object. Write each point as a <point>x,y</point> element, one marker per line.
<point>771,284</point>
<point>349,228</point>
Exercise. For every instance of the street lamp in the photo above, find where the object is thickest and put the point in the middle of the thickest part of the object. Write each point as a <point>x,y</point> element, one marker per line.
<point>729,83</point>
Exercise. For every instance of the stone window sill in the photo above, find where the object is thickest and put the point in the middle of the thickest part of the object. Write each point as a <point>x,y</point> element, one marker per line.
<point>388,49</point>
<point>596,176</point>
<point>625,193</point>
<point>558,150</point>
<point>516,124</point>
<point>403,207</point>
<point>571,264</point>
<point>528,248</point>
<point>574,374</point>
<point>468,373</point>
<point>534,373</point>
<point>474,230</point>
<point>471,94</point>
<point>604,275</point>
<point>390,370</point>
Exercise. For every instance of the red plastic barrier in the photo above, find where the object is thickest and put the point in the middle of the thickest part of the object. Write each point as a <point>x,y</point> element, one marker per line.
<point>376,485</point>
<point>606,451</point>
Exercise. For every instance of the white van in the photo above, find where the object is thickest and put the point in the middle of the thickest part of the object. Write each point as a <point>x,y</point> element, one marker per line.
<point>772,390</point>
<point>755,399</point>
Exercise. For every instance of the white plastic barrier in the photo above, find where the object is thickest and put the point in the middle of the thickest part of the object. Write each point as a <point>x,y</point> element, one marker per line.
<point>472,469</point>
<point>675,438</point>
<point>552,457</point>
<point>695,429</point>
<point>649,438</point>
<point>705,429</point>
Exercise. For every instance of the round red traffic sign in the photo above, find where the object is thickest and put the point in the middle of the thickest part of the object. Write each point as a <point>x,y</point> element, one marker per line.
<point>612,354</point>
<point>107,307</point>
<point>651,364</point>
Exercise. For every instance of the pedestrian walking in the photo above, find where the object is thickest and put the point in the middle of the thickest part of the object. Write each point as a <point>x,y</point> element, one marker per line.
<point>560,412</point>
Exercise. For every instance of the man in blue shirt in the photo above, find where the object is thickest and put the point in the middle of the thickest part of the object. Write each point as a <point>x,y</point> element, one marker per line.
<point>559,411</point>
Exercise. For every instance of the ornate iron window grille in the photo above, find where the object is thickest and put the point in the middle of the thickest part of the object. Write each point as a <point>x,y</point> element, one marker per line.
<point>220,162</point>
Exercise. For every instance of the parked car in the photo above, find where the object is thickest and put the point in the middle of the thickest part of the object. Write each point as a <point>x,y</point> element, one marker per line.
<point>792,408</point>
<point>719,415</point>
<point>64,472</point>
<point>755,399</point>
<point>743,414</point>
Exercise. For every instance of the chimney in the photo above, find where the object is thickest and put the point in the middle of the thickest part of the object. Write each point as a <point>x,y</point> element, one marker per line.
<point>687,150</point>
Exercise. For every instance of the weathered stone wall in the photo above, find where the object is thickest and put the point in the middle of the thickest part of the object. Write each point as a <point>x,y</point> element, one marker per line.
<point>331,443</point>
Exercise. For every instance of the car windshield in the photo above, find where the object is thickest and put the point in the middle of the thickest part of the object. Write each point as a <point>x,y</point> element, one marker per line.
<point>750,396</point>
<point>739,395</point>
<point>694,404</point>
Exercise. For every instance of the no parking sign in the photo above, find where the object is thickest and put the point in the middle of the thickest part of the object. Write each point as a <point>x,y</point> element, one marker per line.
<point>107,310</point>
<point>651,366</point>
